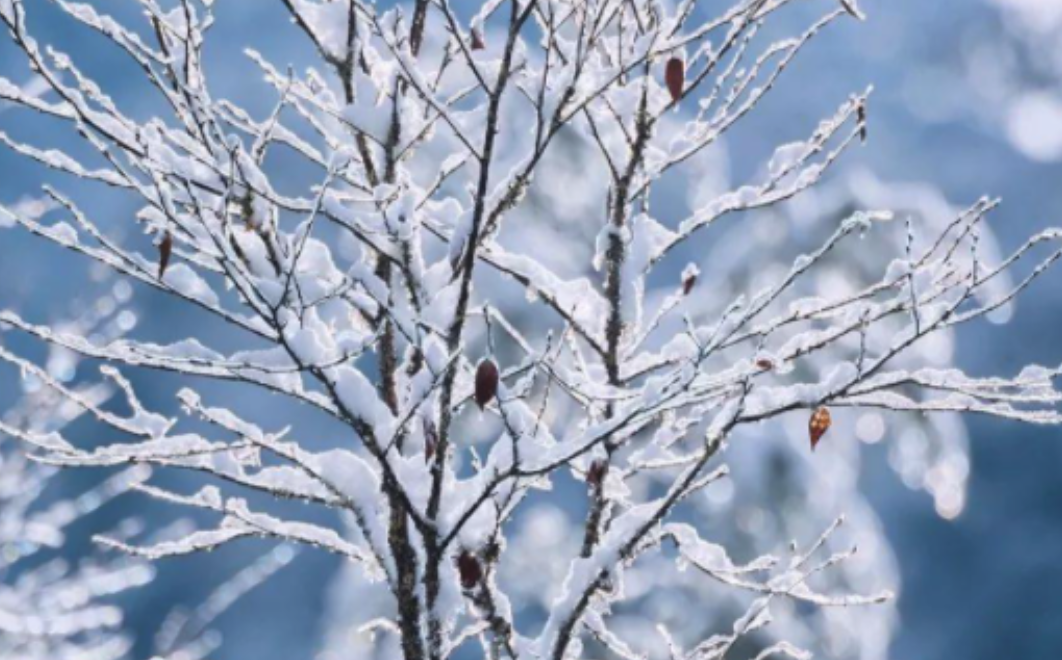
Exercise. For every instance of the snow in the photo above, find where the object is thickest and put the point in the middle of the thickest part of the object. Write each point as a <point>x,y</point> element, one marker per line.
<point>333,273</point>
<point>358,396</point>
<point>786,157</point>
<point>188,283</point>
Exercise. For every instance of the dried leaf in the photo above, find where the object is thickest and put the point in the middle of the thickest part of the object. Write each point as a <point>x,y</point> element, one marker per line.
<point>675,77</point>
<point>818,425</point>
<point>486,383</point>
<point>688,282</point>
<point>477,40</point>
<point>861,117</point>
<point>765,364</point>
<point>165,250</point>
<point>470,570</point>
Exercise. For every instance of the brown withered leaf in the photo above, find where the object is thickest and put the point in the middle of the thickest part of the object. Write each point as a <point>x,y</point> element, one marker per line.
<point>486,383</point>
<point>477,40</point>
<point>765,364</point>
<point>818,425</point>
<point>688,282</point>
<point>470,570</point>
<point>675,77</point>
<point>165,250</point>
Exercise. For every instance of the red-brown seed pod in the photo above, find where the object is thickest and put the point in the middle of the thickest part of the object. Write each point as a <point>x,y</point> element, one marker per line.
<point>477,40</point>
<point>595,474</point>
<point>486,383</point>
<point>765,364</point>
<point>165,250</point>
<point>470,570</point>
<point>818,425</point>
<point>675,77</point>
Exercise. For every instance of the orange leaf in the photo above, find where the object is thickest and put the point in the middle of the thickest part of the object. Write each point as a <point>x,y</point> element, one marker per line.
<point>818,425</point>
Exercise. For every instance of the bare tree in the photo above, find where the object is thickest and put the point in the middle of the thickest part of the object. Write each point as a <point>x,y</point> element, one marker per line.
<point>399,298</point>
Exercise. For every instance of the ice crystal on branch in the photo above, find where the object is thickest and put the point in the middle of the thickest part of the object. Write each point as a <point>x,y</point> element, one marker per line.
<point>487,292</point>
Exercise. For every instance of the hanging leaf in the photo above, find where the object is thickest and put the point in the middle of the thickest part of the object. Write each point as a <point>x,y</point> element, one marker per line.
<point>165,250</point>
<point>765,364</point>
<point>818,425</point>
<point>675,77</point>
<point>477,40</point>
<point>470,570</point>
<point>689,278</point>
<point>486,383</point>
<point>688,282</point>
<point>861,117</point>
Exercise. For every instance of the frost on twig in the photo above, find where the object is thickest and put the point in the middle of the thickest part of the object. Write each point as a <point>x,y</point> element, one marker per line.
<point>495,191</point>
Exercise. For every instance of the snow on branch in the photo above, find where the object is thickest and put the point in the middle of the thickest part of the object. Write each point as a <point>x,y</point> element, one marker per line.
<point>477,291</point>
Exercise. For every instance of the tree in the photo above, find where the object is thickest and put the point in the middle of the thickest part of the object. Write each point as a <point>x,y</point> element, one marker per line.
<point>419,295</point>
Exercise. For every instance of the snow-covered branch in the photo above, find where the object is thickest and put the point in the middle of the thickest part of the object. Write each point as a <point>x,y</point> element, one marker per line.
<point>417,296</point>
